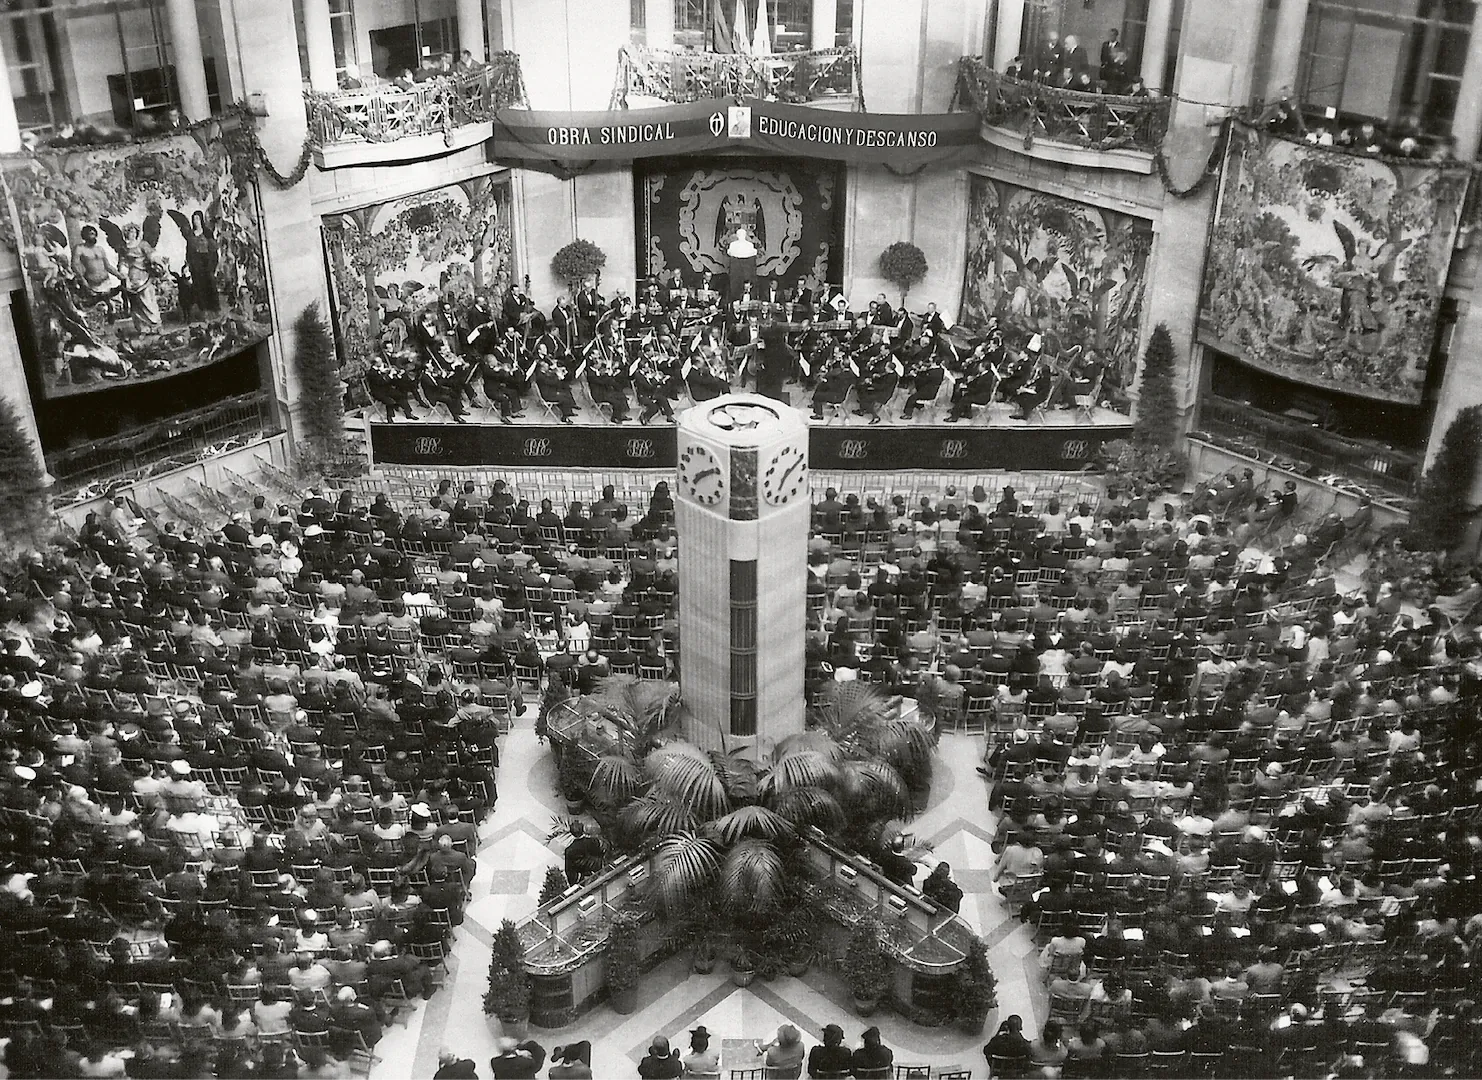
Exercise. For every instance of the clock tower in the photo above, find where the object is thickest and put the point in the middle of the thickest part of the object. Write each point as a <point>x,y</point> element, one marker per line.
<point>742,510</point>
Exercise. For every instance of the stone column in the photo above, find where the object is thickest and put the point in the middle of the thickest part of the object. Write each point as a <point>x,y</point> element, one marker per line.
<point>1466,125</point>
<point>319,40</point>
<point>1286,49</point>
<point>1007,43</point>
<point>658,24</point>
<point>190,65</point>
<point>10,131</point>
<point>471,28</point>
<point>13,386</point>
<point>825,23</point>
<point>1155,43</point>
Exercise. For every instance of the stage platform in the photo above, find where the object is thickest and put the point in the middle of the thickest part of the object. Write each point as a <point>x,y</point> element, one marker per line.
<point>1061,440</point>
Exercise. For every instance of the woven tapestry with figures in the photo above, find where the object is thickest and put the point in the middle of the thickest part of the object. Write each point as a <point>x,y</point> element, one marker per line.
<point>688,213</point>
<point>1071,272</point>
<point>141,260</point>
<point>1327,267</point>
<point>416,264</point>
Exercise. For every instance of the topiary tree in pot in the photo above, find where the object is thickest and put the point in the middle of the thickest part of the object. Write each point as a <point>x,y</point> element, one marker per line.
<point>622,961</point>
<point>977,989</point>
<point>508,995</point>
<point>553,886</point>
<point>903,264</point>
<point>866,968</point>
<point>577,261</point>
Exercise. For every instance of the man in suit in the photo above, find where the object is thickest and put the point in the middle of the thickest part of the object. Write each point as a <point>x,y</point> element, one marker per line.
<point>563,324</point>
<point>588,310</point>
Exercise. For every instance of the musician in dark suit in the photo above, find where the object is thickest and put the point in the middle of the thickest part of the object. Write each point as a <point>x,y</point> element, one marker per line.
<point>1035,391</point>
<point>979,384</point>
<point>834,381</point>
<point>775,361</point>
<point>553,384</point>
<point>563,323</point>
<point>503,381</point>
<point>706,374</point>
<point>607,372</point>
<point>589,307</point>
<point>879,375</point>
<point>932,320</point>
<point>517,309</point>
<point>480,331</point>
<point>925,369</point>
<point>655,383</point>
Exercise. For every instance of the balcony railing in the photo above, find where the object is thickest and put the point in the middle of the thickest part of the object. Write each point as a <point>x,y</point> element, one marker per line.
<point>1037,111</point>
<point>386,112</point>
<point>165,445</point>
<point>676,77</point>
<point>1303,448</point>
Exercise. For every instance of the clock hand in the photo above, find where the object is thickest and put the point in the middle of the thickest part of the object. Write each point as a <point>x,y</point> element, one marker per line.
<point>708,472</point>
<point>788,472</point>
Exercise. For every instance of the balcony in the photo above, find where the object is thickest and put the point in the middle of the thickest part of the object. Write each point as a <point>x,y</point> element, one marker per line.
<point>386,122</point>
<point>651,77</point>
<point>159,447</point>
<point>1106,131</point>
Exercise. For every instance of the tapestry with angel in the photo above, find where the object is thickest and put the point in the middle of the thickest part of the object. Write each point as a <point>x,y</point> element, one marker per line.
<point>1327,267</point>
<point>1073,273</point>
<point>439,261</point>
<point>140,260</point>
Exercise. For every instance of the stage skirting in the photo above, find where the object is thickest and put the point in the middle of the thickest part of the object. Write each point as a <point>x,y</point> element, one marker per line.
<point>829,448</point>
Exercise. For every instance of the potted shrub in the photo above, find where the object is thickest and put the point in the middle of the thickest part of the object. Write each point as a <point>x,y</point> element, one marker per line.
<point>508,995</point>
<point>866,968</point>
<point>743,966</point>
<point>977,992</point>
<point>622,962</point>
<point>575,778</point>
<point>553,886</point>
<point>791,937</point>
<point>903,265</point>
<point>577,261</point>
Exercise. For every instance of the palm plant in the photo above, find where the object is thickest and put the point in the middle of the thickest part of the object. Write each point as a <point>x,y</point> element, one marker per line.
<point>724,822</point>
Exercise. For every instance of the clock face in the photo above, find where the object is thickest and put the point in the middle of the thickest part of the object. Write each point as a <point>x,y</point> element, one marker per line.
<point>701,476</point>
<point>785,477</point>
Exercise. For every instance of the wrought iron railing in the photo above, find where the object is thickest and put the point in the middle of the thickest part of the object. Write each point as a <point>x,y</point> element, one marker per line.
<point>164,445</point>
<point>676,76</point>
<point>1038,111</point>
<point>1300,447</point>
<point>387,112</point>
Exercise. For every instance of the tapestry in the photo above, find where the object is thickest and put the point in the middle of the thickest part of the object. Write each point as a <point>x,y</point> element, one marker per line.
<point>1326,267</point>
<point>141,260</point>
<point>389,262</point>
<point>1073,273</point>
<point>689,213</point>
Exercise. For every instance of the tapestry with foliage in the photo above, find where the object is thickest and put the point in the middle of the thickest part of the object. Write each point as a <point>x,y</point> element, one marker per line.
<point>391,261</point>
<point>689,213</point>
<point>1071,272</point>
<point>141,260</point>
<point>1327,267</point>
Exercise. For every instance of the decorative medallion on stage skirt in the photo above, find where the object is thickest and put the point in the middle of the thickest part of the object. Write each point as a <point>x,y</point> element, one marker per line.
<point>394,262</point>
<point>691,214</point>
<point>1073,273</point>
<point>141,260</point>
<point>1327,267</point>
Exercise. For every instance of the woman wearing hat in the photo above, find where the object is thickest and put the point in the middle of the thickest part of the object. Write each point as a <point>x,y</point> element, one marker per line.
<point>832,1057</point>
<point>701,1061</point>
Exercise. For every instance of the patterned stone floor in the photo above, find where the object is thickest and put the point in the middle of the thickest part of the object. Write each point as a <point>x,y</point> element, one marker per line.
<point>513,856</point>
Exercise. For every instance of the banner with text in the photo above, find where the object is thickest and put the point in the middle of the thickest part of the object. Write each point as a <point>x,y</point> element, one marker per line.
<point>841,448</point>
<point>904,140</point>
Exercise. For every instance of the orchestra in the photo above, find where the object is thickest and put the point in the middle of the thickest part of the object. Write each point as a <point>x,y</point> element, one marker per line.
<point>680,337</point>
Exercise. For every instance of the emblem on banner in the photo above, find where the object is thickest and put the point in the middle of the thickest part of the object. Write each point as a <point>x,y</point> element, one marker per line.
<point>537,448</point>
<point>640,448</point>
<point>717,124</point>
<point>738,121</point>
<point>428,446</point>
<point>853,449</point>
<point>953,449</point>
<point>1074,449</point>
